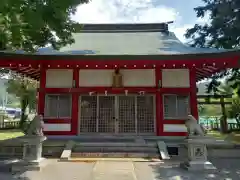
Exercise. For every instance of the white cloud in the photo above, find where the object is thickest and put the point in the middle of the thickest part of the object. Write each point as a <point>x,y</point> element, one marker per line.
<point>204,20</point>
<point>180,31</point>
<point>124,11</point>
<point>129,11</point>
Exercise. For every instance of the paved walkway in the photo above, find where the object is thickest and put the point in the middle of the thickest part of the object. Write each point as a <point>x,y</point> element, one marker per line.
<point>229,169</point>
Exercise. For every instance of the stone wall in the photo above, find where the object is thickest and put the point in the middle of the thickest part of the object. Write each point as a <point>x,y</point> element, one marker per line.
<point>15,150</point>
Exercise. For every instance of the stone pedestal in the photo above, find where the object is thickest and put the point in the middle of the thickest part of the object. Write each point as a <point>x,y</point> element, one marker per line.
<point>197,154</point>
<point>32,154</point>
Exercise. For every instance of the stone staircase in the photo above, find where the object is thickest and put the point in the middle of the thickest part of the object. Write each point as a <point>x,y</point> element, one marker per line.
<point>115,150</point>
<point>117,147</point>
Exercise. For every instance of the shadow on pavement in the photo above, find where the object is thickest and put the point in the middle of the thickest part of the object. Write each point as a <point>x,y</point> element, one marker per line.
<point>227,169</point>
<point>17,176</point>
<point>11,153</point>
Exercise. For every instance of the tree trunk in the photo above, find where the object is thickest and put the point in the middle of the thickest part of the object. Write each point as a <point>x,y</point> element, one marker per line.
<point>223,119</point>
<point>24,104</point>
<point>238,121</point>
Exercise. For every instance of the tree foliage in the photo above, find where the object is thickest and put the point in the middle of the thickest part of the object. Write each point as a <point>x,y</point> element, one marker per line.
<point>222,32</point>
<point>25,90</point>
<point>223,28</point>
<point>30,24</point>
<point>234,109</point>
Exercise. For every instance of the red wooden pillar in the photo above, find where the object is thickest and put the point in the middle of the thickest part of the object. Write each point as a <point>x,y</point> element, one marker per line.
<point>75,103</point>
<point>41,91</point>
<point>159,102</point>
<point>193,93</point>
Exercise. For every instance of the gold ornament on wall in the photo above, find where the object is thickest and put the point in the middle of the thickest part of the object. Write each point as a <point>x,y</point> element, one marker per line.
<point>117,79</point>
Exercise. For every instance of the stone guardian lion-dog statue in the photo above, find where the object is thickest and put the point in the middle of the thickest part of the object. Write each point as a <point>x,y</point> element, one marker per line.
<point>193,128</point>
<point>36,126</point>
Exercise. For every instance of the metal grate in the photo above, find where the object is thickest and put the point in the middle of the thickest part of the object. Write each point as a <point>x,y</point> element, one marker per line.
<point>176,106</point>
<point>126,114</point>
<point>88,111</point>
<point>145,114</point>
<point>58,106</point>
<point>117,114</point>
<point>106,120</point>
<point>183,108</point>
<point>170,106</point>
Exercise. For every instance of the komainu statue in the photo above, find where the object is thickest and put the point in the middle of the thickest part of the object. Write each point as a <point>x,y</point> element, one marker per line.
<point>193,128</point>
<point>36,126</point>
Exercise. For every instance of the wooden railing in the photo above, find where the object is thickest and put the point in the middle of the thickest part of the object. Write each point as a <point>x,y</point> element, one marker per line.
<point>231,126</point>
<point>9,125</point>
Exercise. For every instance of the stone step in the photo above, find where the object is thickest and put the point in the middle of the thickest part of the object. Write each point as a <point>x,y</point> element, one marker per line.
<point>162,148</point>
<point>88,159</point>
<point>115,155</point>
<point>126,137</point>
<point>6,164</point>
<point>5,168</point>
<point>4,156</point>
<point>115,149</point>
<point>104,139</point>
<point>114,144</point>
<point>66,154</point>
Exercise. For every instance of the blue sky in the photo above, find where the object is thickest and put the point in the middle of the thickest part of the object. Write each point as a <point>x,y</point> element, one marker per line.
<point>142,11</point>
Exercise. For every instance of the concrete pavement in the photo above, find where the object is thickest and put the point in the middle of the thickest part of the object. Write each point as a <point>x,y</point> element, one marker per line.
<point>128,170</point>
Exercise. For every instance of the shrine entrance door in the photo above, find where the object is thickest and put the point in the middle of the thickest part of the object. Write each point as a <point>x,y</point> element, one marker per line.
<point>117,114</point>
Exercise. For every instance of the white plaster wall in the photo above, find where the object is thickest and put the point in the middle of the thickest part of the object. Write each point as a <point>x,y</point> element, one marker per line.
<point>93,77</point>
<point>59,78</point>
<point>103,78</point>
<point>175,78</point>
<point>174,128</point>
<point>138,77</point>
<point>57,127</point>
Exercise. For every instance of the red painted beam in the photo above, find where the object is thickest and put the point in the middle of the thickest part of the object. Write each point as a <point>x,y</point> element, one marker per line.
<point>102,90</point>
<point>193,94</point>
<point>57,121</point>
<point>41,94</point>
<point>59,133</point>
<point>135,63</point>
<point>111,90</point>
<point>173,121</point>
<point>174,134</point>
<point>159,102</point>
<point>75,103</point>
<point>183,91</point>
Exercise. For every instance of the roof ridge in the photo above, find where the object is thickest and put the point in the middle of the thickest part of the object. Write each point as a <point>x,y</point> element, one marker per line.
<point>124,27</point>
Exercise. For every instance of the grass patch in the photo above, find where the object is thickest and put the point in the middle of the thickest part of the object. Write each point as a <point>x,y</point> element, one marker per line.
<point>232,137</point>
<point>217,135</point>
<point>9,134</point>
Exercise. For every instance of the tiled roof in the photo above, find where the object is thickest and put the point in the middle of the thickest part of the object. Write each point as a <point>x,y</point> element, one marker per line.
<point>125,39</point>
<point>131,43</point>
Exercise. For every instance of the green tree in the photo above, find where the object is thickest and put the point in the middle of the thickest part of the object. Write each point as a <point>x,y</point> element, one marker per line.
<point>222,32</point>
<point>28,24</point>
<point>25,90</point>
<point>201,110</point>
<point>234,109</point>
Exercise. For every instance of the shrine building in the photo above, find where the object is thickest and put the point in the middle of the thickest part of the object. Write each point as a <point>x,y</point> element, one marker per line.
<point>119,79</point>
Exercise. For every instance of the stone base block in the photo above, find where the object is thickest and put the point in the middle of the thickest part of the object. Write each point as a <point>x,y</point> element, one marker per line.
<point>198,166</point>
<point>22,165</point>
